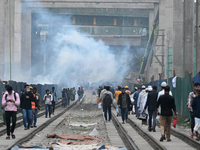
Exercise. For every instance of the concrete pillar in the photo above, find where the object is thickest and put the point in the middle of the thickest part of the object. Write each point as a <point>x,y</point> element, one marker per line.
<point>178,38</point>
<point>26,42</point>
<point>188,38</point>
<point>2,27</point>
<point>16,68</point>
<point>198,36</point>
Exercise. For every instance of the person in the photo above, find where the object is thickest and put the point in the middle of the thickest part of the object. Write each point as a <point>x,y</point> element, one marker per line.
<point>196,112</point>
<point>79,94</point>
<point>107,102</point>
<point>191,96</point>
<point>124,103</point>
<point>129,93</point>
<point>151,105</point>
<point>54,95</point>
<point>101,95</point>
<point>112,91</point>
<point>64,97</point>
<point>117,93</point>
<point>68,96</point>
<point>167,104</point>
<point>10,100</point>
<point>26,106</point>
<point>48,98</point>
<point>74,93</point>
<point>141,98</point>
<point>99,91</point>
<point>37,107</point>
<point>2,107</point>
<point>135,97</point>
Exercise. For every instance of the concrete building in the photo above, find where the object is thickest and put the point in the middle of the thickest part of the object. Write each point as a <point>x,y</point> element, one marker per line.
<point>115,22</point>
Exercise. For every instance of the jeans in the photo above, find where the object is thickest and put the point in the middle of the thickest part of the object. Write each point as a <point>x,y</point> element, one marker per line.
<point>137,111</point>
<point>4,116</point>
<point>109,112</point>
<point>27,112</point>
<point>48,109</point>
<point>152,113</point>
<point>11,114</point>
<point>53,106</point>
<point>118,110</point>
<point>192,121</point>
<point>124,113</point>
<point>35,112</point>
<point>165,121</point>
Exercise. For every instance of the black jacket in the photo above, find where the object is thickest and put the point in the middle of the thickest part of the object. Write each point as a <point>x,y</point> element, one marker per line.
<point>26,103</point>
<point>127,99</point>
<point>196,106</point>
<point>151,101</point>
<point>167,103</point>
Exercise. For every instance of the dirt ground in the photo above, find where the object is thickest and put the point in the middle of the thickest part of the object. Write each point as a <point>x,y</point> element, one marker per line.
<point>76,121</point>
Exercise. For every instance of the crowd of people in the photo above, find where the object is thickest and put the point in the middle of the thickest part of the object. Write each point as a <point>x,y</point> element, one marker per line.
<point>29,103</point>
<point>145,103</point>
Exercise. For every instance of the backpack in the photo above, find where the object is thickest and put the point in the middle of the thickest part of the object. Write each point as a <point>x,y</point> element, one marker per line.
<point>7,95</point>
<point>107,101</point>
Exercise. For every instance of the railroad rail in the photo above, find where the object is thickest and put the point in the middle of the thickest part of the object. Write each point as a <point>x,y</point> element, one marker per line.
<point>19,123</point>
<point>41,127</point>
<point>128,142</point>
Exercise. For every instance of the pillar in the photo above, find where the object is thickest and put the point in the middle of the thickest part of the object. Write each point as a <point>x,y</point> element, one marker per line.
<point>188,38</point>
<point>178,37</point>
<point>197,36</point>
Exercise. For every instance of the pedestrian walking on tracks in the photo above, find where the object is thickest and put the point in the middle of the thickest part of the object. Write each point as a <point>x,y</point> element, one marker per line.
<point>10,100</point>
<point>107,102</point>
<point>191,96</point>
<point>151,105</point>
<point>167,104</point>
<point>48,98</point>
<point>117,93</point>
<point>54,95</point>
<point>64,97</point>
<point>196,114</point>
<point>25,105</point>
<point>124,103</point>
<point>37,106</point>
<point>135,97</point>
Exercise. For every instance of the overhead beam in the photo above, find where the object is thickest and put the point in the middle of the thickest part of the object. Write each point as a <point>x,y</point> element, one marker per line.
<point>97,1</point>
<point>91,5</point>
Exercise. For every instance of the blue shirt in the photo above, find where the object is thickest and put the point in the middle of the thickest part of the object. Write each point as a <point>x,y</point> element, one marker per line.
<point>135,97</point>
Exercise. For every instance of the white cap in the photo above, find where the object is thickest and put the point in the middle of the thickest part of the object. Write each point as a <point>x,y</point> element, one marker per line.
<point>147,89</point>
<point>136,88</point>
<point>163,84</point>
<point>150,88</point>
<point>143,87</point>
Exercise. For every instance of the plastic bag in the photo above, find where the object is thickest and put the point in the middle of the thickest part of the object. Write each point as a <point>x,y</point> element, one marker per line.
<point>98,101</point>
<point>174,123</point>
<point>99,105</point>
<point>158,118</point>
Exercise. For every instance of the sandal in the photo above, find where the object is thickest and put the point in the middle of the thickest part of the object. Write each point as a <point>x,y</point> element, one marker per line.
<point>13,136</point>
<point>7,138</point>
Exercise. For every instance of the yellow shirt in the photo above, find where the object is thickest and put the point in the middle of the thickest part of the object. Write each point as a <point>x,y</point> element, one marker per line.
<point>117,95</point>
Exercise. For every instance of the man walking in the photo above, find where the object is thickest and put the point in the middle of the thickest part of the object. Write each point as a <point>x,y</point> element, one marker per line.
<point>54,95</point>
<point>10,100</point>
<point>191,96</point>
<point>48,98</point>
<point>151,105</point>
<point>124,103</point>
<point>107,102</point>
<point>167,103</point>
<point>117,93</point>
<point>196,113</point>
<point>25,105</point>
<point>37,106</point>
<point>135,97</point>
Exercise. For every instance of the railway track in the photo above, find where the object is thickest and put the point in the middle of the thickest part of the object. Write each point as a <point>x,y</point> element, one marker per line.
<point>20,118</point>
<point>40,128</point>
<point>155,144</point>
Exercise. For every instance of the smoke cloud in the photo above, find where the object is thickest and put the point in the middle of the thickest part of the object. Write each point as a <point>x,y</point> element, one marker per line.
<point>69,56</point>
